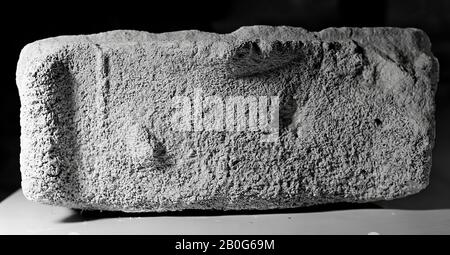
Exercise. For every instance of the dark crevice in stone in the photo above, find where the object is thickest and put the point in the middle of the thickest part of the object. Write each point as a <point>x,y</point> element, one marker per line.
<point>378,122</point>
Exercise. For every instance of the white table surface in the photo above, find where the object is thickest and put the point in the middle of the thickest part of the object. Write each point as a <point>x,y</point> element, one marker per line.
<point>20,216</point>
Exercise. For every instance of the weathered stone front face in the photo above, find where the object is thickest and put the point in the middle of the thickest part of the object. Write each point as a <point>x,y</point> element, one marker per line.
<point>349,114</point>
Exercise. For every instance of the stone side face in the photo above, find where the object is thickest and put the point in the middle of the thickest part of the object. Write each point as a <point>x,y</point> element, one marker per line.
<point>356,118</point>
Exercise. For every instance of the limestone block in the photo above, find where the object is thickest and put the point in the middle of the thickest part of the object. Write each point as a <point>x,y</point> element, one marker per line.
<point>261,118</point>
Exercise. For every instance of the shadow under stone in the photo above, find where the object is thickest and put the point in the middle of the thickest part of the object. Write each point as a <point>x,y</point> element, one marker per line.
<point>90,215</point>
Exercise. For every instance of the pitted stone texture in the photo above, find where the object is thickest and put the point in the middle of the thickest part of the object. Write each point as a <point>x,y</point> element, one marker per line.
<point>356,118</point>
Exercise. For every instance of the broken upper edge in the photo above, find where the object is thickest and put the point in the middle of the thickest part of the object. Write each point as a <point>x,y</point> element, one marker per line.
<point>409,41</point>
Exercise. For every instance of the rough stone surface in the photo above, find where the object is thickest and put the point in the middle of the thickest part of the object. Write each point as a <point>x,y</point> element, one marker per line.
<point>356,118</point>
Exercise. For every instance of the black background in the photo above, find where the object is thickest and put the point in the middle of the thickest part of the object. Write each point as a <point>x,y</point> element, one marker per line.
<point>24,22</point>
